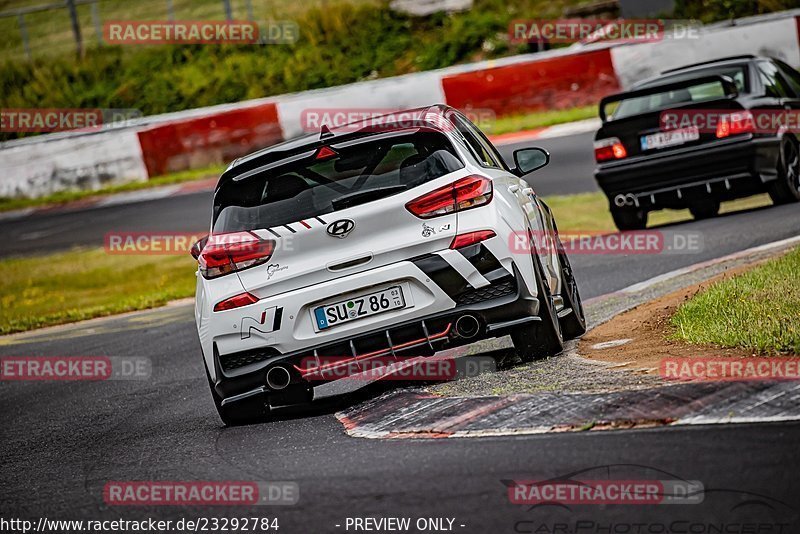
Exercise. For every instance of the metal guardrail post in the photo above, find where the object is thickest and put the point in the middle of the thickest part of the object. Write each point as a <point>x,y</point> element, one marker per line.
<point>23,30</point>
<point>98,26</point>
<point>228,9</point>
<point>170,10</point>
<point>76,26</point>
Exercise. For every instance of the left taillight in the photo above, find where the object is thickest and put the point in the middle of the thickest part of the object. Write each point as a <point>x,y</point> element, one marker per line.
<point>467,193</point>
<point>608,149</point>
<point>237,301</point>
<point>227,253</point>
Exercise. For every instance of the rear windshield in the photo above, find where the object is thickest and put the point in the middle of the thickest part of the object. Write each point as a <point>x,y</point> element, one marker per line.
<point>356,174</point>
<point>702,92</point>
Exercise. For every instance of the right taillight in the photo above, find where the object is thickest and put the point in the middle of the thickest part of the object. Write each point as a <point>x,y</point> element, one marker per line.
<point>466,193</point>
<point>608,149</point>
<point>227,253</point>
<point>735,124</point>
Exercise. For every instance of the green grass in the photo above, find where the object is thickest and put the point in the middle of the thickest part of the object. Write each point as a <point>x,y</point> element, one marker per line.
<point>50,32</point>
<point>64,197</point>
<point>588,212</point>
<point>758,310</point>
<point>81,284</point>
<point>340,42</point>
<point>541,119</point>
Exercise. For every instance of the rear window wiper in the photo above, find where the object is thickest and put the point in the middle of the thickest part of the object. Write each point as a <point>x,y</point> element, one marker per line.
<point>360,197</point>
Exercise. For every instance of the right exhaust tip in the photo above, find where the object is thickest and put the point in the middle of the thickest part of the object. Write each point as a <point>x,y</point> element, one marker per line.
<point>467,326</point>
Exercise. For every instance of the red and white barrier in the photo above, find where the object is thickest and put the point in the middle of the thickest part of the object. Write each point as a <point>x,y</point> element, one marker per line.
<point>557,79</point>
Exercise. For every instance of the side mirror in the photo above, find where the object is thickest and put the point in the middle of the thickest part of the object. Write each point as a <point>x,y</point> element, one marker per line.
<point>528,160</point>
<point>198,247</point>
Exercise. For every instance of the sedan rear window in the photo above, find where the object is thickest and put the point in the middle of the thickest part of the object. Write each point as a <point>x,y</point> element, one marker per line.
<point>701,92</point>
<point>363,172</point>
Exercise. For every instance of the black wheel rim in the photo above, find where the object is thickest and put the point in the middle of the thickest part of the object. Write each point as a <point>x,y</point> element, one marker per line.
<point>792,166</point>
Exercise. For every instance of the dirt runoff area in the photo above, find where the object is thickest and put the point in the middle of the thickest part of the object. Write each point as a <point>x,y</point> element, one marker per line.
<point>639,339</point>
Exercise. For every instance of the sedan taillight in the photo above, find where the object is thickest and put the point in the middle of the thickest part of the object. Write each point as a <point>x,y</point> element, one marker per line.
<point>466,193</point>
<point>735,124</point>
<point>608,149</point>
<point>227,253</point>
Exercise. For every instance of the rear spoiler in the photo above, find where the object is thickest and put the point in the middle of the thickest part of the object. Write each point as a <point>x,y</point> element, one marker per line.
<point>728,85</point>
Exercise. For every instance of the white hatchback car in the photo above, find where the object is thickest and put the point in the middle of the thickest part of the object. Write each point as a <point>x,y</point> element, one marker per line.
<point>373,242</point>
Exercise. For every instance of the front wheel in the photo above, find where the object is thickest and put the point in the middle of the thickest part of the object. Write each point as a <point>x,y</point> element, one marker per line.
<point>535,341</point>
<point>573,325</point>
<point>786,188</point>
<point>629,219</point>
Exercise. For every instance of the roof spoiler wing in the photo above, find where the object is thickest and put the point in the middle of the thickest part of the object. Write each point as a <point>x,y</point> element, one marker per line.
<point>728,85</point>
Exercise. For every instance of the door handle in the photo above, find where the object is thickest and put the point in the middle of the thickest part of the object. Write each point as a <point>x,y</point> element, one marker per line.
<point>513,189</point>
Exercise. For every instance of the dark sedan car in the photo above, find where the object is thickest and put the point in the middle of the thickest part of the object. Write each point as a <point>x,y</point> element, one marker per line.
<point>699,135</point>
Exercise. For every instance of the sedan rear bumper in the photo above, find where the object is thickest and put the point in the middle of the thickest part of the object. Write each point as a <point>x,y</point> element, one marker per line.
<point>723,170</point>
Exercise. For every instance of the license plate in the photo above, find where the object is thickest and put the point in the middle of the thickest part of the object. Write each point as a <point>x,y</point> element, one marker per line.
<point>359,307</point>
<point>667,139</point>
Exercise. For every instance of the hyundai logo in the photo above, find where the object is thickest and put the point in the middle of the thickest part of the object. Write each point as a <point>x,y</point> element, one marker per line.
<point>341,228</point>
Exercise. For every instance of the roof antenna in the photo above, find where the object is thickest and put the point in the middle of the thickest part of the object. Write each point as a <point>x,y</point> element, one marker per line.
<point>325,132</point>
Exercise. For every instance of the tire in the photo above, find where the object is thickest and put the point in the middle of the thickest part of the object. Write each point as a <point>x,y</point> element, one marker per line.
<point>786,188</point>
<point>705,210</point>
<point>629,219</point>
<point>241,413</point>
<point>574,324</point>
<point>535,341</point>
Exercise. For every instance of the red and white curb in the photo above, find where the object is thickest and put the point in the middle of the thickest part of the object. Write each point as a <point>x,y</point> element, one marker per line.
<point>423,415</point>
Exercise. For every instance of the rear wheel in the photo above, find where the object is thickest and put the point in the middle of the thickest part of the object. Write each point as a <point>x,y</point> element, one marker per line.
<point>786,188</point>
<point>239,413</point>
<point>535,341</point>
<point>574,324</point>
<point>704,210</point>
<point>627,219</point>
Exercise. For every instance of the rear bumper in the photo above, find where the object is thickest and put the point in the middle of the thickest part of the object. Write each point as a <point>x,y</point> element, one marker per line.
<point>726,169</point>
<point>501,306</point>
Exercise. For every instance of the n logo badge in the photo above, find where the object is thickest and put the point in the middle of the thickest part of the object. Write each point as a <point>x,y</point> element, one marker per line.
<point>269,321</point>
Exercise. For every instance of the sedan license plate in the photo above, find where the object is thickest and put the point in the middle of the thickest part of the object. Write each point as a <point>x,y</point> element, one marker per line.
<point>359,307</point>
<point>668,139</point>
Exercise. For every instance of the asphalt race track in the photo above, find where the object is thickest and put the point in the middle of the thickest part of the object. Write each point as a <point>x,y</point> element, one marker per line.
<point>65,441</point>
<point>570,172</point>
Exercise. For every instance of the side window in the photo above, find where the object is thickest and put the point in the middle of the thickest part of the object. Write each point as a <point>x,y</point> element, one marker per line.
<point>774,84</point>
<point>792,77</point>
<point>482,152</point>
